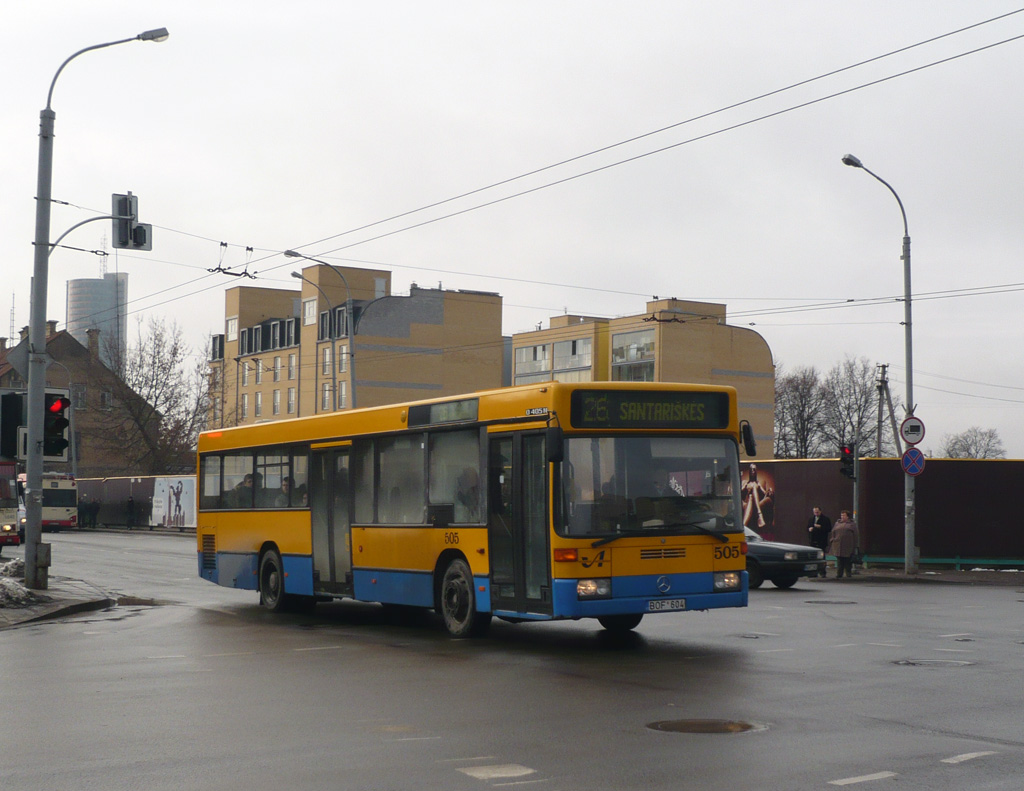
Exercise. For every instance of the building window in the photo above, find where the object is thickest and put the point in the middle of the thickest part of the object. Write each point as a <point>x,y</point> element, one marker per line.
<point>258,408</point>
<point>277,402</point>
<point>309,311</point>
<point>532,364</point>
<point>325,396</point>
<point>342,358</point>
<point>292,363</point>
<point>106,400</point>
<point>245,373</point>
<point>277,369</point>
<point>326,368</point>
<point>259,371</point>
<point>78,396</point>
<point>324,332</point>
<point>245,406</point>
<point>633,356</point>
<point>291,400</point>
<point>275,335</point>
<point>232,328</point>
<point>218,412</point>
<point>342,395</point>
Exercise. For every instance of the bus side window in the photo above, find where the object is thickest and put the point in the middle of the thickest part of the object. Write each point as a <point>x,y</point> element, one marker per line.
<point>209,496</point>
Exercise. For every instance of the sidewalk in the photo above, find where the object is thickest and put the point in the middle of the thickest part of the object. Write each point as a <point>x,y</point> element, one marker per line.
<point>63,596</point>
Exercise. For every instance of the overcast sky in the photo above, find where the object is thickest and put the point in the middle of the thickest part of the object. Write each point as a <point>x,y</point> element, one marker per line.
<point>309,125</point>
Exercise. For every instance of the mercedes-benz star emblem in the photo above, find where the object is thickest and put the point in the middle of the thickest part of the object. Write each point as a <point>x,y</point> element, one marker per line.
<point>664,584</point>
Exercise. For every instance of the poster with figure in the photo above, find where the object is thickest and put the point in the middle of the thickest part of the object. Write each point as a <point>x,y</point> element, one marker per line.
<point>758,493</point>
<point>174,502</point>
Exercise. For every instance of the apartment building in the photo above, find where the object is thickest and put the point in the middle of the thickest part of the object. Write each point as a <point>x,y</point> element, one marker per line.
<point>673,341</point>
<point>291,353</point>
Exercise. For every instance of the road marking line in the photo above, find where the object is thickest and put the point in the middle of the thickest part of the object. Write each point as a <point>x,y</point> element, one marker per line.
<point>887,645</point>
<point>775,650</point>
<point>235,653</point>
<point>845,645</point>
<point>319,648</point>
<point>167,656</point>
<point>955,650</point>
<point>961,634</point>
<point>847,781</point>
<point>959,759</point>
<point>457,760</point>
<point>416,738</point>
<point>497,771</point>
<point>522,782</point>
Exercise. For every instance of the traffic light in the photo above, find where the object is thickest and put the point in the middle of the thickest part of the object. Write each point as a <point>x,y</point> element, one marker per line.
<point>847,460</point>
<point>12,416</point>
<point>56,423</point>
<point>129,233</point>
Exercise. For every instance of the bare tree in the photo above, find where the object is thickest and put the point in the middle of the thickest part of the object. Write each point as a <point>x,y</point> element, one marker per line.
<point>850,406</point>
<point>799,412</point>
<point>159,401</point>
<point>974,443</point>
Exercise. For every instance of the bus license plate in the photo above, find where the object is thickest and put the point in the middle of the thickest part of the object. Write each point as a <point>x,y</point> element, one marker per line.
<point>665,605</point>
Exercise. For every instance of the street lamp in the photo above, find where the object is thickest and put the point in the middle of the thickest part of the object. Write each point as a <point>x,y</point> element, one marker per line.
<point>350,318</point>
<point>316,367</point>
<point>37,559</point>
<point>909,549</point>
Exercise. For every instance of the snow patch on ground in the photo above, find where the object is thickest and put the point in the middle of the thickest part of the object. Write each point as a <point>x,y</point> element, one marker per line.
<point>13,592</point>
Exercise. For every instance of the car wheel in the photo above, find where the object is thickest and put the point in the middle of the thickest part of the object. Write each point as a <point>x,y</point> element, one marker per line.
<point>754,576</point>
<point>784,582</point>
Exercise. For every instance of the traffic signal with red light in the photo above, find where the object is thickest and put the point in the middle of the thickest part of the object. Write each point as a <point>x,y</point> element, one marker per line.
<point>847,460</point>
<point>56,422</point>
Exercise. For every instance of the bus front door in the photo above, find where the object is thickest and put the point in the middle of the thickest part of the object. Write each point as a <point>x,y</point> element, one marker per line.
<point>518,524</point>
<point>330,507</point>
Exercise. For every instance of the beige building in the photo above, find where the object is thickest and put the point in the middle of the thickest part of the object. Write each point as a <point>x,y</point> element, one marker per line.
<point>674,341</point>
<point>292,353</point>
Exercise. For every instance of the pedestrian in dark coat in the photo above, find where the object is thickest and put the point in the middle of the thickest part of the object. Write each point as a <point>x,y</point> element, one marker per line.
<point>818,528</point>
<point>844,543</point>
<point>129,512</point>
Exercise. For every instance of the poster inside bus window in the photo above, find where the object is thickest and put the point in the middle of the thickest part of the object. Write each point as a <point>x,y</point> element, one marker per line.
<point>649,409</point>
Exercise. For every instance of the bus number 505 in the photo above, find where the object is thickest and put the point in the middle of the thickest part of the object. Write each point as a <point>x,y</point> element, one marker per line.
<point>451,538</point>
<point>730,551</point>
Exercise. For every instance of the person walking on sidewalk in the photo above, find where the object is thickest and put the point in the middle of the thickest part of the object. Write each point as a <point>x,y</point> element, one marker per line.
<point>818,528</point>
<point>844,543</point>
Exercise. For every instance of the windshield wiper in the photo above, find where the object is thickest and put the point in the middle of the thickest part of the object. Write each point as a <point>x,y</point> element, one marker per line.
<point>624,534</point>
<point>705,530</point>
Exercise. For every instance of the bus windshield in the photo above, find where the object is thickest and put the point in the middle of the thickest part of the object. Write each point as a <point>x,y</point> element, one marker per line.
<point>645,485</point>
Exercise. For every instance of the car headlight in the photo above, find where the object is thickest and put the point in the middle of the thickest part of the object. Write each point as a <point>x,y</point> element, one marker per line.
<point>727,580</point>
<point>594,589</point>
<point>792,556</point>
<point>821,555</point>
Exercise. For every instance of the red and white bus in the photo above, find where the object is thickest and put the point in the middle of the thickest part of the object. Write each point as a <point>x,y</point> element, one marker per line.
<point>9,522</point>
<point>60,500</point>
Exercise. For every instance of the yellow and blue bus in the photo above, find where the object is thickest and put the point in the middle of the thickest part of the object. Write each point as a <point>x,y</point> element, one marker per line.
<point>550,501</point>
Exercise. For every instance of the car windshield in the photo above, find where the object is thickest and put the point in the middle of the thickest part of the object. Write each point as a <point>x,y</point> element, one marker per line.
<point>609,486</point>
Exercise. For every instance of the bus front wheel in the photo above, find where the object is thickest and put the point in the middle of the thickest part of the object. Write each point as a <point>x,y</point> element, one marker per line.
<point>458,602</point>
<point>272,594</point>
<point>620,623</point>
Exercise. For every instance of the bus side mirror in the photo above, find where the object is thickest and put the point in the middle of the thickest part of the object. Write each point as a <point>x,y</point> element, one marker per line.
<point>554,444</point>
<point>747,435</point>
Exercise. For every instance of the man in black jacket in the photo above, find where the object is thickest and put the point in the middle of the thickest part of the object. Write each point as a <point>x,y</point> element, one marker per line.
<point>818,528</point>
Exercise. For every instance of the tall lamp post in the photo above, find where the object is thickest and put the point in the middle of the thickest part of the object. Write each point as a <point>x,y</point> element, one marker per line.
<point>351,319</point>
<point>37,559</point>
<point>909,548</point>
<point>316,367</point>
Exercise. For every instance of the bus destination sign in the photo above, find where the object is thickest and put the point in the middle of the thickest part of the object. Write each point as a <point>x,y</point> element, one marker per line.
<point>648,409</point>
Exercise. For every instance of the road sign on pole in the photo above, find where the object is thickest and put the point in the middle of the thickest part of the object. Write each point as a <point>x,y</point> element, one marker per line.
<point>912,430</point>
<point>912,461</point>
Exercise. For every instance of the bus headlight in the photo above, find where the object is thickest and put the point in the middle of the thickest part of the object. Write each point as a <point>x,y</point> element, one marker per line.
<point>7,528</point>
<point>727,580</point>
<point>594,589</point>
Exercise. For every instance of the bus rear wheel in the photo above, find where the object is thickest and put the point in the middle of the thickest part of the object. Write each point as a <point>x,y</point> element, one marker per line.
<point>620,623</point>
<point>272,594</point>
<point>458,602</point>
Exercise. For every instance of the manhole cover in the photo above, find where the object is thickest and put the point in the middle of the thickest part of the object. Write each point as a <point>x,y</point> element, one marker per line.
<point>932,662</point>
<point>705,726</point>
